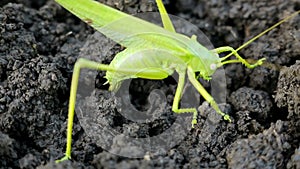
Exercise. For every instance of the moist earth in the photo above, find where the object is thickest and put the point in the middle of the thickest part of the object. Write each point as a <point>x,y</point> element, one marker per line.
<point>40,42</point>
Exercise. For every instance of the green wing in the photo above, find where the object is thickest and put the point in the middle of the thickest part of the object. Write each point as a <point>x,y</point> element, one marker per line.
<point>127,30</point>
<point>133,32</point>
<point>92,12</point>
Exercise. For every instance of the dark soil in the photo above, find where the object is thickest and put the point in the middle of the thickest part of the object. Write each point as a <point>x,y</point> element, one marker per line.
<point>40,42</point>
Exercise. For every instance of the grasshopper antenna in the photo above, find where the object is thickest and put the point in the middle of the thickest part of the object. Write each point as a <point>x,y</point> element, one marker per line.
<point>261,34</point>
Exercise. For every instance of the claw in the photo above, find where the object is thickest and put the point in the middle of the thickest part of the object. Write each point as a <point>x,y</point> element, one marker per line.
<point>226,117</point>
<point>194,122</point>
<point>63,159</point>
<point>258,63</point>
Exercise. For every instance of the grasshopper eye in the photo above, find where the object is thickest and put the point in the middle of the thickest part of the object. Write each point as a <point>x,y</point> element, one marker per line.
<point>213,66</point>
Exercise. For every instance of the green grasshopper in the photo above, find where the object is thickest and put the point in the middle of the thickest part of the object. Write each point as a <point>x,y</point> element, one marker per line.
<point>173,52</point>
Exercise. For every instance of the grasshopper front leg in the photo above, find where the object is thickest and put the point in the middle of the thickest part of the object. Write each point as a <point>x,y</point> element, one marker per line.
<point>239,58</point>
<point>205,94</point>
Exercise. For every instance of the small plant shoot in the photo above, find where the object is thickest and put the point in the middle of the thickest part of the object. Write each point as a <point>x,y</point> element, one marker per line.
<point>185,55</point>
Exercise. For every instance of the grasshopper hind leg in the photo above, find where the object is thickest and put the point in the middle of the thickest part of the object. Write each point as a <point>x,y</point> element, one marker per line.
<point>168,25</point>
<point>80,64</point>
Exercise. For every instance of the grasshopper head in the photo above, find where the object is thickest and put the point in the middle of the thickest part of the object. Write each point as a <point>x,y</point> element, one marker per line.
<point>206,64</point>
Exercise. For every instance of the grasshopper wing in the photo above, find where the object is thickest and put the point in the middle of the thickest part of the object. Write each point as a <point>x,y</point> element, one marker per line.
<point>127,30</point>
<point>133,32</point>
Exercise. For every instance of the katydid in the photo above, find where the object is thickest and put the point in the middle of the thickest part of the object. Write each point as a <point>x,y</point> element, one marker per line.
<point>173,52</point>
